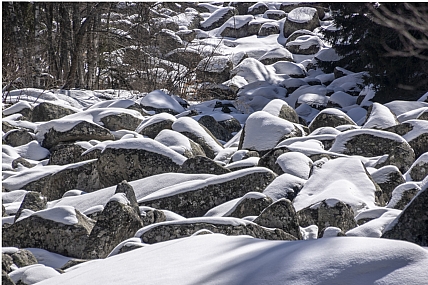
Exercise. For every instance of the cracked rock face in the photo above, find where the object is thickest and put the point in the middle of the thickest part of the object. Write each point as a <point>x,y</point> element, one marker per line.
<point>281,215</point>
<point>64,239</point>
<point>412,224</point>
<point>197,202</point>
<point>324,214</point>
<point>169,231</point>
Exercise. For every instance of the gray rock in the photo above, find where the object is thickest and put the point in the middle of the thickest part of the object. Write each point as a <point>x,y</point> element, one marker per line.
<point>258,8</point>
<point>83,131</point>
<point>22,161</point>
<point>205,196</point>
<point>6,262</point>
<point>232,125</point>
<point>210,91</point>
<point>185,56</point>
<point>32,201</point>
<point>326,118</point>
<point>292,25</point>
<point>371,143</point>
<point>402,195</point>
<point>419,169</point>
<point>250,28</point>
<point>24,257</point>
<point>305,45</point>
<point>53,186</point>
<point>274,14</point>
<point>268,29</point>
<point>412,224</point>
<point>215,128</point>
<point>216,20</point>
<point>18,137</point>
<point>201,164</point>
<point>250,206</point>
<point>46,111</point>
<point>5,126</point>
<point>418,142</point>
<point>153,217</point>
<point>325,214</point>
<point>153,130</point>
<point>281,215</point>
<point>118,164</point>
<point>169,231</point>
<point>241,7</point>
<point>67,153</point>
<point>214,69</point>
<point>268,160</point>
<point>34,231</point>
<point>121,121</point>
<point>5,279</point>
<point>388,178</point>
<point>116,223</point>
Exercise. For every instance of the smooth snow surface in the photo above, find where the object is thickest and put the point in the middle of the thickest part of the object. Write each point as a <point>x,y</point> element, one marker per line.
<point>218,259</point>
<point>63,214</point>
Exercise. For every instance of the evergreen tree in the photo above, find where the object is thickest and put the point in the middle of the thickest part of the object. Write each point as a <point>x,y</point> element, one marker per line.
<point>364,45</point>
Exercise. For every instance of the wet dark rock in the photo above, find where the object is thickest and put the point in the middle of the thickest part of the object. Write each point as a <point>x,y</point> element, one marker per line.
<point>282,215</point>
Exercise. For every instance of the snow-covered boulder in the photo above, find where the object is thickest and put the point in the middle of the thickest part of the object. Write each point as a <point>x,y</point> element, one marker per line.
<point>419,169</point>
<point>281,215</point>
<point>330,117</point>
<point>20,258</point>
<point>412,224</point>
<point>18,137</point>
<point>61,230</point>
<point>269,29</point>
<point>275,55</point>
<point>218,18</point>
<point>68,153</point>
<point>372,143</point>
<point>294,163</point>
<point>264,131</point>
<point>53,181</point>
<point>218,131</point>
<point>199,134</point>
<point>403,194</point>
<point>153,125</point>
<point>289,68</point>
<point>47,111</point>
<point>239,27</point>
<point>179,143</point>
<point>388,178</point>
<point>202,195</point>
<point>281,109</point>
<point>258,8</point>
<point>165,231</point>
<point>32,201</point>
<point>148,157</point>
<point>214,69</point>
<point>301,18</point>
<point>379,117</point>
<point>167,40</point>
<point>284,186</point>
<point>159,102</point>
<point>126,120</point>
<point>274,14</point>
<point>305,45</point>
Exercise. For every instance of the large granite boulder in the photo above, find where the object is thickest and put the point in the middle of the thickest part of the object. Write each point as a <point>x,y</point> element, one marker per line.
<point>403,194</point>
<point>122,121</point>
<point>78,131</point>
<point>305,45</point>
<point>68,153</point>
<point>119,220</point>
<point>419,169</point>
<point>195,199</point>
<point>228,226</point>
<point>23,257</point>
<point>46,111</point>
<point>251,204</point>
<point>301,18</point>
<point>240,27</point>
<point>258,8</point>
<point>134,159</point>
<point>379,117</point>
<point>202,164</point>
<point>218,18</point>
<point>282,215</point>
<point>232,125</point>
<point>269,29</point>
<point>275,55</point>
<point>280,108</point>
<point>153,125</point>
<point>372,143</point>
<point>54,180</point>
<point>167,40</point>
<point>61,230</point>
<point>330,118</point>
<point>412,224</point>
<point>328,213</point>
<point>179,143</point>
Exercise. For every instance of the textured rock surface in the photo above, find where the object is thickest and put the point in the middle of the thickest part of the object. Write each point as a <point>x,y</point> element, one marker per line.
<point>23,257</point>
<point>153,217</point>
<point>388,178</point>
<point>118,164</point>
<point>412,224</point>
<point>67,153</point>
<point>34,231</point>
<point>121,121</point>
<point>326,119</point>
<point>325,214</point>
<point>202,164</point>
<point>197,202</point>
<point>32,201</point>
<point>18,137</point>
<point>169,231</point>
<point>218,131</point>
<point>83,177</point>
<point>292,25</point>
<point>46,111</point>
<point>418,142</point>
<point>250,207</point>
<point>154,129</point>
<point>402,195</point>
<point>83,131</point>
<point>116,223</point>
<point>281,215</point>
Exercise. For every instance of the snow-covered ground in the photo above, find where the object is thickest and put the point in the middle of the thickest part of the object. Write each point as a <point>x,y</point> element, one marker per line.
<point>311,169</point>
